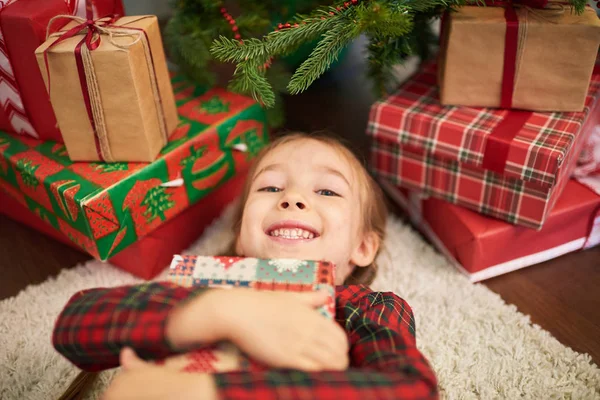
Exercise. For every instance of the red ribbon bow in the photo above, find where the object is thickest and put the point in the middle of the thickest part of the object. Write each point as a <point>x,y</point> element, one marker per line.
<point>93,30</point>
<point>92,40</point>
<point>92,37</point>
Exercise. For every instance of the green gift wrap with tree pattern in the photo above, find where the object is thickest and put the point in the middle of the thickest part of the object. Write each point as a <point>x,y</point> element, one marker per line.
<point>104,208</point>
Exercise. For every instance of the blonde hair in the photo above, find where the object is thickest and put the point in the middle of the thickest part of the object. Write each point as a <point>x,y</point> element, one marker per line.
<point>371,198</point>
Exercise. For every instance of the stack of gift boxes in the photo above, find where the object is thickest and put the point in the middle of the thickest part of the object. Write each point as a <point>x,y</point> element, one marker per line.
<point>493,150</point>
<point>101,146</point>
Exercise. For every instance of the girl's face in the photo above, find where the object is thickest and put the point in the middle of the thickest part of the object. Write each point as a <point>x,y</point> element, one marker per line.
<point>304,203</point>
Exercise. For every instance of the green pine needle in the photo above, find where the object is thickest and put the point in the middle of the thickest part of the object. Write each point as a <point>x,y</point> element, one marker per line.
<point>249,79</point>
<point>326,52</point>
<point>285,41</point>
<point>231,50</point>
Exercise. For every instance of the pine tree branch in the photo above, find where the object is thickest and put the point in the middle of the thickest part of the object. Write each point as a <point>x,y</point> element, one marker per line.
<point>326,52</point>
<point>230,50</point>
<point>381,19</point>
<point>249,79</point>
<point>309,28</point>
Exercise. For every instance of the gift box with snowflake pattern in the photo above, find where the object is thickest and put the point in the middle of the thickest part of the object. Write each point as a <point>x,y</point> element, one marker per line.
<point>253,273</point>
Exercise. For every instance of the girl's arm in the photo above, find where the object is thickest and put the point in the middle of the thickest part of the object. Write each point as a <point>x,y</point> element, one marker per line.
<point>96,323</point>
<point>159,319</point>
<point>385,362</point>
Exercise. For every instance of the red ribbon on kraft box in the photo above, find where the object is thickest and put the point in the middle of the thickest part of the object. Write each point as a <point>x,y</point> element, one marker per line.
<point>499,140</point>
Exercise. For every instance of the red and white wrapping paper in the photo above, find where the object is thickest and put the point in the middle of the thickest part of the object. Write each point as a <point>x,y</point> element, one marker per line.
<point>507,164</point>
<point>24,104</point>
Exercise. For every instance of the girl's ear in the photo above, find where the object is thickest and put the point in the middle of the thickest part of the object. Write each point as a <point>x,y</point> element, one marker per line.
<point>365,252</point>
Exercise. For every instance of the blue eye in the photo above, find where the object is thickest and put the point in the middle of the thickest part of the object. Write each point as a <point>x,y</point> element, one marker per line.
<point>327,192</point>
<point>270,189</point>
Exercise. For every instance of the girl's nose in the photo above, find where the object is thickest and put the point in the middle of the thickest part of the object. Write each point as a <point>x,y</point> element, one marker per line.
<point>286,204</point>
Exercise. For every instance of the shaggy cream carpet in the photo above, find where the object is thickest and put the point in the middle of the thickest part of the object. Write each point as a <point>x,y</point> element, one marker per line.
<point>480,347</point>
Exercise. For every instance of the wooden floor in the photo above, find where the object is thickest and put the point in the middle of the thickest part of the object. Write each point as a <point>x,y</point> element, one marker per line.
<point>560,295</point>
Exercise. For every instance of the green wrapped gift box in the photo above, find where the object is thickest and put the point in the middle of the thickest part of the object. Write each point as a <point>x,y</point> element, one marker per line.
<point>104,208</point>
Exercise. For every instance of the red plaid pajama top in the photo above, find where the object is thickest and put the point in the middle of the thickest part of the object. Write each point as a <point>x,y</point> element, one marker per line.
<point>384,360</point>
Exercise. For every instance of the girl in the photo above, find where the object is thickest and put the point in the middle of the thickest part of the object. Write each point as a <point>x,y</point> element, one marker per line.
<point>306,197</point>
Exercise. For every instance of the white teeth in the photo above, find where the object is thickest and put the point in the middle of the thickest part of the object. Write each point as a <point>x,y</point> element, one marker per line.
<point>292,233</point>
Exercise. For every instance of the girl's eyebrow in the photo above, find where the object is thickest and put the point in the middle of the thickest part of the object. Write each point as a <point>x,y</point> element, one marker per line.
<point>335,172</point>
<point>270,167</point>
<point>324,168</point>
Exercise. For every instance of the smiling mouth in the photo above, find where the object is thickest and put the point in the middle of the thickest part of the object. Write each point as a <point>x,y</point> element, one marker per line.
<point>295,233</point>
<point>292,230</point>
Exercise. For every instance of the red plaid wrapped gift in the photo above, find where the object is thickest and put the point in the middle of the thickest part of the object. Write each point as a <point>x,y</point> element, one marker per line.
<point>477,245</point>
<point>508,164</point>
<point>260,274</point>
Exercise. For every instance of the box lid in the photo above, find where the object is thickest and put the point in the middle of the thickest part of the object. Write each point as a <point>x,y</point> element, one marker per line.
<point>274,274</point>
<point>414,118</point>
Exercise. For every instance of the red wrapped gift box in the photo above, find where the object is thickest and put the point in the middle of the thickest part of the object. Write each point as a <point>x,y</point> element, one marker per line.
<point>508,164</point>
<point>150,255</point>
<point>25,107</point>
<point>478,245</point>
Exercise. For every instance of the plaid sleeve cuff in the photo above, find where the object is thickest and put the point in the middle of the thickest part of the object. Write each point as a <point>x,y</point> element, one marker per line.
<point>352,384</point>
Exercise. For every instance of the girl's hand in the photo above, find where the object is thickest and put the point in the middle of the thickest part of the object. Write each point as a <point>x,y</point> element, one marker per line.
<point>279,329</point>
<point>283,330</point>
<point>145,381</point>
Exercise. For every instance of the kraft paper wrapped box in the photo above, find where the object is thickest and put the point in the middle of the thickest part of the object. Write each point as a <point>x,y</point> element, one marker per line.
<point>287,275</point>
<point>110,89</point>
<point>25,107</point>
<point>520,57</point>
<point>508,164</point>
<point>106,207</point>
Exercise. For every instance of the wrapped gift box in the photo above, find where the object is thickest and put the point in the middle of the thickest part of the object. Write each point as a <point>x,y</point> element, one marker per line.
<point>519,56</point>
<point>508,164</point>
<point>104,208</point>
<point>114,102</point>
<point>477,245</point>
<point>25,107</point>
<point>151,254</point>
<point>260,274</point>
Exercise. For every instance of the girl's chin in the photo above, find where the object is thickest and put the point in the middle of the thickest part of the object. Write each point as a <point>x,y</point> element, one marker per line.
<point>290,242</point>
<point>276,250</point>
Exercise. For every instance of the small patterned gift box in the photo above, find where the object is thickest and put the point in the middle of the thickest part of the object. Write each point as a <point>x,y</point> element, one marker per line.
<point>508,164</point>
<point>260,274</point>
